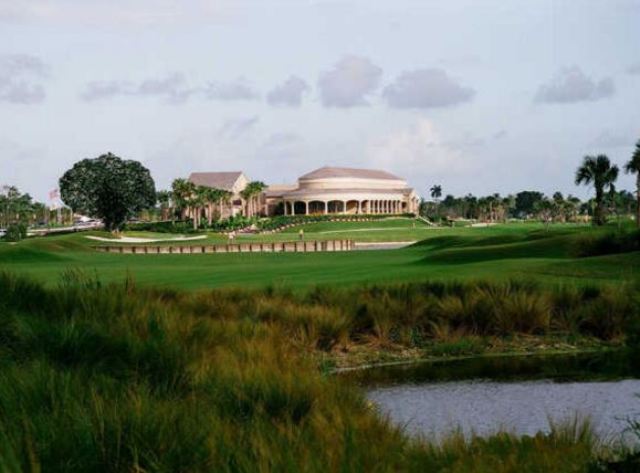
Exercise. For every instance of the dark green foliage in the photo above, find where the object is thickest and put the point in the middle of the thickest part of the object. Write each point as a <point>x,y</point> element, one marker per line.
<point>16,232</point>
<point>526,201</point>
<point>608,243</point>
<point>599,171</point>
<point>161,227</point>
<point>233,223</point>
<point>280,221</point>
<point>108,188</point>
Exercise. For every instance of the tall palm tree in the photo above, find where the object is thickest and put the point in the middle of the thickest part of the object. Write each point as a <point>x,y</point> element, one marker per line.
<point>224,198</point>
<point>183,193</point>
<point>599,171</point>
<point>212,197</point>
<point>198,202</point>
<point>164,199</point>
<point>633,167</point>
<point>251,195</point>
<point>436,193</point>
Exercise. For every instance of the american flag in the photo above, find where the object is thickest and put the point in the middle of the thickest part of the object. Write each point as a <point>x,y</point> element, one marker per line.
<point>54,194</point>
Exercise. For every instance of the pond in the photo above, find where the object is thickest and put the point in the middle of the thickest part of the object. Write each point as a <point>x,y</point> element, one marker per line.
<point>522,395</point>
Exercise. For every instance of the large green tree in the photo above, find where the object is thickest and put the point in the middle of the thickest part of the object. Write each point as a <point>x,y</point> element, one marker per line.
<point>599,171</point>
<point>526,202</point>
<point>633,167</point>
<point>108,188</point>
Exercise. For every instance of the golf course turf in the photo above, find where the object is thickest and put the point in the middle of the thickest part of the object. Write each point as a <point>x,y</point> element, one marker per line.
<point>497,252</point>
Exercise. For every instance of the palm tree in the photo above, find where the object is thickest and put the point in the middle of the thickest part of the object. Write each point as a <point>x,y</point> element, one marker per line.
<point>224,197</point>
<point>507,203</point>
<point>183,193</point>
<point>251,195</point>
<point>164,199</point>
<point>436,193</point>
<point>212,196</point>
<point>599,171</point>
<point>633,167</point>
<point>546,209</point>
<point>199,201</point>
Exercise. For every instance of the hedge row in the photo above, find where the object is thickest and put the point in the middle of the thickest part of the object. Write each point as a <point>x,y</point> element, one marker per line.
<point>239,222</point>
<point>283,221</point>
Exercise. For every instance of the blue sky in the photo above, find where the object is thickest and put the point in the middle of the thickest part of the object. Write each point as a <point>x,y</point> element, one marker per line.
<point>480,96</point>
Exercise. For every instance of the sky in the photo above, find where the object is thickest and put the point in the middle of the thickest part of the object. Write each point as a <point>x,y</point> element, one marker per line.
<point>478,96</point>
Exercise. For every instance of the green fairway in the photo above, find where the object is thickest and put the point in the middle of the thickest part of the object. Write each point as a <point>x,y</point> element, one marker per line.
<point>497,252</point>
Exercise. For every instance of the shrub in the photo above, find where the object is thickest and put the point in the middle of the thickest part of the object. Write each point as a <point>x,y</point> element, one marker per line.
<point>162,227</point>
<point>611,242</point>
<point>279,221</point>
<point>16,232</point>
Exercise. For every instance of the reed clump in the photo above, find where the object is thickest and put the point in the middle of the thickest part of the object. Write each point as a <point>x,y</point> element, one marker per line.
<point>119,378</point>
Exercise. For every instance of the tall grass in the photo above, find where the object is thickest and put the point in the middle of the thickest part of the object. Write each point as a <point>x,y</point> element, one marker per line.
<point>116,378</point>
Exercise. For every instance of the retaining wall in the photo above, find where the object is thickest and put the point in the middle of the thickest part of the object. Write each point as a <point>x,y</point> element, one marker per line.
<point>275,247</point>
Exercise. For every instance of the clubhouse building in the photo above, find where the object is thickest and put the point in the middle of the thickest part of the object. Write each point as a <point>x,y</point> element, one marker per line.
<point>327,190</point>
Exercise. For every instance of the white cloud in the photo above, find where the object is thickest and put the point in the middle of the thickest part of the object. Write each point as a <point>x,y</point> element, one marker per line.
<point>571,85</point>
<point>349,82</point>
<point>426,88</point>
<point>419,152</point>
<point>239,89</point>
<point>289,93</point>
<point>172,87</point>
<point>118,12</point>
<point>21,79</point>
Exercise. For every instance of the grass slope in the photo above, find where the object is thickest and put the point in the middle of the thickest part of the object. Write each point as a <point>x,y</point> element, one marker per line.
<point>499,252</point>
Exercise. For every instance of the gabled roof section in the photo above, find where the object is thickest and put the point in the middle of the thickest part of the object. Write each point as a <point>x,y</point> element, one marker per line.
<point>329,172</point>
<point>219,180</point>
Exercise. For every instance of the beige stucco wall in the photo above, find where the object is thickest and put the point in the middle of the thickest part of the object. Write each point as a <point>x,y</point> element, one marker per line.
<point>351,183</point>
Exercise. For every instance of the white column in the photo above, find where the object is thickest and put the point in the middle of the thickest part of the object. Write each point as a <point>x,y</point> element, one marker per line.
<point>306,207</point>
<point>293,207</point>
<point>326,207</point>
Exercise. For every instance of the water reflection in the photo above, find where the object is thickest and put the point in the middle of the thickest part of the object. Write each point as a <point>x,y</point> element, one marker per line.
<point>520,395</point>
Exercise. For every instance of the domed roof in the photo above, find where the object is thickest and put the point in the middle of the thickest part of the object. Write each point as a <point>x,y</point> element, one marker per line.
<point>329,172</point>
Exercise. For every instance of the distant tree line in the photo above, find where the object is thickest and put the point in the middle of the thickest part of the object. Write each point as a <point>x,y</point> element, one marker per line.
<point>526,205</point>
<point>597,171</point>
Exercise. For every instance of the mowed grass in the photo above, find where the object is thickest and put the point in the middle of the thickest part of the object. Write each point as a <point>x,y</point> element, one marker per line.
<point>498,252</point>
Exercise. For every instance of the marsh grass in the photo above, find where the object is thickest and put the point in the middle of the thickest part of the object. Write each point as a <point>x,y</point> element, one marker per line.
<point>114,377</point>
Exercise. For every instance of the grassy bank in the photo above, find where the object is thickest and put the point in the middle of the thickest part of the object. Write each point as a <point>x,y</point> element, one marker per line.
<point>112,377</point>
